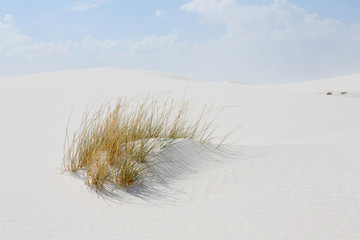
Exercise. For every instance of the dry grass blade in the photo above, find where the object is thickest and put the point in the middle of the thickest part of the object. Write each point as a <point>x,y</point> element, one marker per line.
<point>114,144</point>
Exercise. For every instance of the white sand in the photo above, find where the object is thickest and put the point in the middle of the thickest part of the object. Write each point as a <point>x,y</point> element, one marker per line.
<point>293,171</point>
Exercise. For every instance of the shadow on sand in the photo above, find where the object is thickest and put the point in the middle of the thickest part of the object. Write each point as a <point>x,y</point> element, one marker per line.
<point>172,164</point>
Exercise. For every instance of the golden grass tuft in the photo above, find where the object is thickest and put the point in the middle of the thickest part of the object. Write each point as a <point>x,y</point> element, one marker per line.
<point>114,144</point>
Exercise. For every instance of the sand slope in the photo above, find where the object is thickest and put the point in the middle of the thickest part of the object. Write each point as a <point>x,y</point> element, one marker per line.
<point>292,171</point>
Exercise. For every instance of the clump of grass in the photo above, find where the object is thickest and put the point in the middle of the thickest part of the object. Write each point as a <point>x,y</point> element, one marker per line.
<point>114,145</point>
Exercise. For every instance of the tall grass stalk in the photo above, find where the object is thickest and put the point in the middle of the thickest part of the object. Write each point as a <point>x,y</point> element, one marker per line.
<point>114,145</point>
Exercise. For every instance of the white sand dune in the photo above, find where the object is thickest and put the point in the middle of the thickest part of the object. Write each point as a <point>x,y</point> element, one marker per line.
<point>291,171</point>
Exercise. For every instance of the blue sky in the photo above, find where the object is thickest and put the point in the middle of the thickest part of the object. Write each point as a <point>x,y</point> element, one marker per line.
<point>254,41</point>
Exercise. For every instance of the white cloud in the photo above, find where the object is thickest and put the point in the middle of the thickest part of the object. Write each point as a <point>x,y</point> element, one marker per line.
<point>20,54</point>
<point>208,6</point>
<point>9,19</point>
<point>10,38</point>
<point>13,43</point>
<point>154,42</point>
<point>90,43</point>
<point>279,42</point>
<point>82,6</point>
<point>159,13</point>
